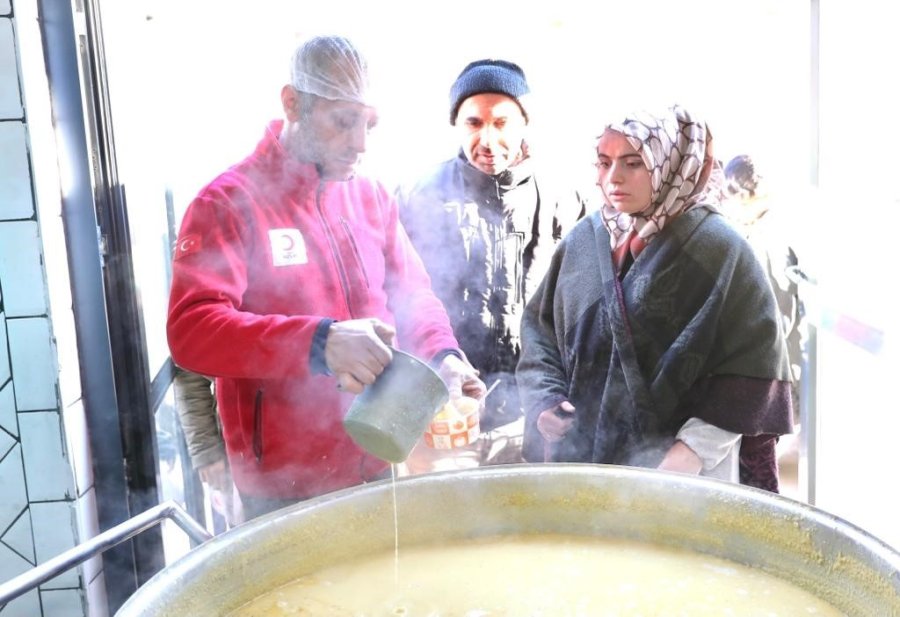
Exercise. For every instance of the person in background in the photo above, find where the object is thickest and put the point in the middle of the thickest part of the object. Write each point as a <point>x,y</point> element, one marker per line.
<point>195,403</point>
<point>486,226</point>
<point>292,279</point>
<point>756,215</point>
<point>654,339</point>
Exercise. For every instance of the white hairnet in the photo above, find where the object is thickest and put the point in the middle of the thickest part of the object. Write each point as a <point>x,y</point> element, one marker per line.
<point>331,67</point>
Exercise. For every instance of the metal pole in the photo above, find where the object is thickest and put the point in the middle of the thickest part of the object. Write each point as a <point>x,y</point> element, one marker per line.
<point>808,416</point>
<point>62,41</point>
<point>814,77</point>
<point>809,420</point>
<point>807,292</point>
<point>99,543</point>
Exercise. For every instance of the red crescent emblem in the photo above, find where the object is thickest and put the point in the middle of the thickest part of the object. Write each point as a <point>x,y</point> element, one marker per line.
<point>288,243</point>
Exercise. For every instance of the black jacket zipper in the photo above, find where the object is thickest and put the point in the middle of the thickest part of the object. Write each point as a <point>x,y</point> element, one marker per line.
<point>257,427</point>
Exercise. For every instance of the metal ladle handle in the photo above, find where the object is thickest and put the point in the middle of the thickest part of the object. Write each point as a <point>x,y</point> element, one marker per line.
<point>99,543</point>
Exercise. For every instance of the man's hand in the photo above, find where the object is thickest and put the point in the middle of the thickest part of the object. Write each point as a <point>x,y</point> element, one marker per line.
<point>216,475</point>
<point>554,423</point>
<point>357,351</point>
<point>461,378</point>
<point>682,459</point>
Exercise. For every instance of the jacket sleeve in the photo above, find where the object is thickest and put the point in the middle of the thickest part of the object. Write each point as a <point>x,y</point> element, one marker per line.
<point>422,322</point>
<point>569,210</point>
<point>709,442</point>
<point>748,386</point>
<point>196,405</point>
<point>540,373</point>
<point>553,226</point>
<point>207,331</point>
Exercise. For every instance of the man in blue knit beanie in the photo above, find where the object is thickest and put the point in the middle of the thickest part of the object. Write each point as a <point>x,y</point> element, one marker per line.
<point>483,76</point>
<point>486,230</point>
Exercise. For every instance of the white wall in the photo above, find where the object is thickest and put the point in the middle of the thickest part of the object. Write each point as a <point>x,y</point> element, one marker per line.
<point>857,209</point>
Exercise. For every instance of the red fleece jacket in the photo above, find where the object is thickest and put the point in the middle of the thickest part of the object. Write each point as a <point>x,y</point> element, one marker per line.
<point>265,253</point>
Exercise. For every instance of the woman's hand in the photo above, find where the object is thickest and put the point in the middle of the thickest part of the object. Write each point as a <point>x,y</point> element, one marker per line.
<point>554,423</point>
<point>682,459</point>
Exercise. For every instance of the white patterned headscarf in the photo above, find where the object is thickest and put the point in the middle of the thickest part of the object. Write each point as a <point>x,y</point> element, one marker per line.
<point>674,147</point>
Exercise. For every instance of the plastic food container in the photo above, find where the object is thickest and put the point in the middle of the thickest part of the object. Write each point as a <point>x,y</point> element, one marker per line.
<point>456,425</point>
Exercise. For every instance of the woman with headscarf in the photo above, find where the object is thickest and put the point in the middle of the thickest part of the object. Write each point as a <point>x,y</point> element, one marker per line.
<point>654,339</point>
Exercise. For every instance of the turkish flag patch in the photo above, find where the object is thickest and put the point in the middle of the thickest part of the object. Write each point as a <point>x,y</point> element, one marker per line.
<point>191,243</point>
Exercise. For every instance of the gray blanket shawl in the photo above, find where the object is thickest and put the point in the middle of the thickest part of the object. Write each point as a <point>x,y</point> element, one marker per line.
<point>692,330</point>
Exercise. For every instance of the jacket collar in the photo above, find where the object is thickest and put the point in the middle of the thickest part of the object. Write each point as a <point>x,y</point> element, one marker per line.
<point>273,160</point>
<point>494,186</point>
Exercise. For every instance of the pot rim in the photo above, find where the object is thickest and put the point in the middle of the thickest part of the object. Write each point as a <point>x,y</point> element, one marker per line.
<point>761,527</point>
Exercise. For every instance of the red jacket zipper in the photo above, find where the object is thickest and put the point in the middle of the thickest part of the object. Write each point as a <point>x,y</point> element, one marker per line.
<point>345,285</point>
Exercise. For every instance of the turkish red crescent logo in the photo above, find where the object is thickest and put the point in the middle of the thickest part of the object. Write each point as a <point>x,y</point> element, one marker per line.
<point>288,247</point>
<point>190,243</point>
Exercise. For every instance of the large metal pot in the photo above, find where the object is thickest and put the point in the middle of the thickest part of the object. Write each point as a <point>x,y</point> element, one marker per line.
<point>814,550</point>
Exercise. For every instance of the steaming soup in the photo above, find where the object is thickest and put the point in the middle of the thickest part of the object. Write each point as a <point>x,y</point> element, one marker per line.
<point>539,576</point>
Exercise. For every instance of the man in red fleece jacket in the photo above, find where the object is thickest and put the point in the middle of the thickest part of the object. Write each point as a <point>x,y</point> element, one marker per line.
<point>291,278</point>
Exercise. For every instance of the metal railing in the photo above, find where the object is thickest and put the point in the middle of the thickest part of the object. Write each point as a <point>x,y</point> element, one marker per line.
<point>99,543</point>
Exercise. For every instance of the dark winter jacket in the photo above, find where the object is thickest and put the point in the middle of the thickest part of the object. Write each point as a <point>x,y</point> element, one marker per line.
<point>691,331</point>
<point>486,242</point>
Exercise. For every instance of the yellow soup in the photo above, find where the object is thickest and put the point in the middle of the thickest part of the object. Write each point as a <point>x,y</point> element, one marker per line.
<point>547,576</point>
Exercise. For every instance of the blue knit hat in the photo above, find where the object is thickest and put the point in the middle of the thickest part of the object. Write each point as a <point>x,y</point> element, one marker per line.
<point>499,76</point>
